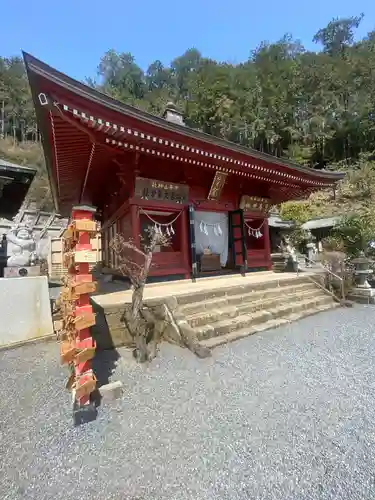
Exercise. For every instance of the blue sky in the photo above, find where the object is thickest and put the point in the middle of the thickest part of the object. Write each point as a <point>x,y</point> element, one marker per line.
<point>72,35</point>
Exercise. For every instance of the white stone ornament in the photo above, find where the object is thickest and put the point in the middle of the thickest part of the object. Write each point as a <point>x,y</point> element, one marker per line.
<point>23,247</point>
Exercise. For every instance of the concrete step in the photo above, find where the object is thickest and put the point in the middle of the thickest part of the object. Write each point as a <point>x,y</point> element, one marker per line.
<point>246,321</point>
<point>239,296</point>
<point>226,291</point>
<point>267,325</point>
<point>247,305</point>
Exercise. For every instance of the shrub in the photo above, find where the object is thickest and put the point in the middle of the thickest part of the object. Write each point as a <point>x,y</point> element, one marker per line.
<point>356,231</point>
<point>299,212</point>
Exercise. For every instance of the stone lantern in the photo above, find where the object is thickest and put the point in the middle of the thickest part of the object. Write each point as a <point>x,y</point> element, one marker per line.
<point>362,271</point>
<point>362,292</point>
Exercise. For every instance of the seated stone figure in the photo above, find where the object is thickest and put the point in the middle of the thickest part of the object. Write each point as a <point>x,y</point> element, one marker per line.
<point>23,247</point>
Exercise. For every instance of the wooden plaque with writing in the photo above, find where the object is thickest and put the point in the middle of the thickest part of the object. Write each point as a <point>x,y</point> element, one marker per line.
<point>217,186</point>
<point>85,225</point>
<point>85,256</point>
<point>255,204</point>
<point>149,189</point>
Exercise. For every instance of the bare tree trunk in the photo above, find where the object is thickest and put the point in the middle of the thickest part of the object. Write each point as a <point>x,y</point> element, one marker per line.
<point>137,323</point>
<point>147,325</point>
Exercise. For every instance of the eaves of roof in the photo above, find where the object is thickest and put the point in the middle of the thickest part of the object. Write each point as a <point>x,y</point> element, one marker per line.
<point>37,67</point>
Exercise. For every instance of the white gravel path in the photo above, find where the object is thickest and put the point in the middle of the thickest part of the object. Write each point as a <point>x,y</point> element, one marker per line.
<point>288,414</point>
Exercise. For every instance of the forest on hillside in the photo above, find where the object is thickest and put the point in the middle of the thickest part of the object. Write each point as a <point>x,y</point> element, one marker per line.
<point>311,106</point>
<point>315,107</point>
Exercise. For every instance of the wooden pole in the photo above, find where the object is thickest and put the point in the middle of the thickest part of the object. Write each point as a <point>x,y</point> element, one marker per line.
<point>83,309</point>
<point>78,347</point>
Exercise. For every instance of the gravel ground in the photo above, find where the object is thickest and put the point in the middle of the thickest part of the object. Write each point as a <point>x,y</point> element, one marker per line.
<point>287,414</point>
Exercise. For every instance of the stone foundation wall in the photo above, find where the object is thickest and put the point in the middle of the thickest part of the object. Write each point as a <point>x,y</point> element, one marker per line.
<point>110,329</point>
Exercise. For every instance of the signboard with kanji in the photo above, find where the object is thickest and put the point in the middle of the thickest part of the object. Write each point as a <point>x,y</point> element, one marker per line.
<point>217,186</point>
<point>255,204</point>
<point>149,189</point>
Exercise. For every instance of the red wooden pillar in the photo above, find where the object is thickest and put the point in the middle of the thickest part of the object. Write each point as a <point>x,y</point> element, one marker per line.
<point>267,244</point>
<point>185,242</point>
<point>84,377</point>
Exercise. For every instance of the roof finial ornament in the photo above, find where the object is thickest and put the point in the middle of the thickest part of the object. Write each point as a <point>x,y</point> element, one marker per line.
<point>173,114</point>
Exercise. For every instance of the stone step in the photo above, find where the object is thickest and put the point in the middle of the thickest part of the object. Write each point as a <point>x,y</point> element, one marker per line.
<point>230,290</point>
<point>248,320</point>
<point>195,307</point>
<point>216,313</point>
<point>267,325</point>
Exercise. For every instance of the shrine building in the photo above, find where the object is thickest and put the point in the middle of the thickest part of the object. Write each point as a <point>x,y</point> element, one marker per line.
<point>139,170</point>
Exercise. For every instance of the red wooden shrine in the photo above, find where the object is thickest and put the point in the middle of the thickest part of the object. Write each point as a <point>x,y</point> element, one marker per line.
<point>211,195</point>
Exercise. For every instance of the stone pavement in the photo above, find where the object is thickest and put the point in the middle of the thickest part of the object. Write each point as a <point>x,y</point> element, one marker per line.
<point>286,414</point>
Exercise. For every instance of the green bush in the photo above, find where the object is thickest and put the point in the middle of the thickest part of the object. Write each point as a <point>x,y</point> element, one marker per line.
<point>297,211</point>
<point>355,232</point>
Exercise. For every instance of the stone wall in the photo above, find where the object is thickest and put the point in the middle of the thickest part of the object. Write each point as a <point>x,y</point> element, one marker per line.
<point>25,310</point>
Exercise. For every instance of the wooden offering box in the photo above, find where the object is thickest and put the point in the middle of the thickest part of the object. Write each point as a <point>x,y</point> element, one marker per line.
<point>210,262</point>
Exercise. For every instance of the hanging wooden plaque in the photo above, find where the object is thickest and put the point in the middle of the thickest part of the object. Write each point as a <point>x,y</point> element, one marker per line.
<point>84,321</point>
<point>85,355</point>
<point>85,385</point>
<point>68,259</point>
<point>68,293</point>
<point>67,245</point>
<point>85,256</point>
<point>67,310</point>
<point>88,287</point>
<point>72,290</point>
<point>255,204</point>
<point>217,186</point>
<point>150,189</point>
<point>67,352</point>
<point>69,233</point>
<point>85,350</point>
<point>85,225</point>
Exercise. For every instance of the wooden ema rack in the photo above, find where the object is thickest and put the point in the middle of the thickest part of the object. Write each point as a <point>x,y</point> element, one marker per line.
<point>77,347</point>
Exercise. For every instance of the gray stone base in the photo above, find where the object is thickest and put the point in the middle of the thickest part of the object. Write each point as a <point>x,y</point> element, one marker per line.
<point>21,272</point>
<point>111,391</point>
<point>362,295</point>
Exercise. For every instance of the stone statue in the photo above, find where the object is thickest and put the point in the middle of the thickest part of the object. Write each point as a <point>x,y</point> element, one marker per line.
<point>23,247</point>
<point>289,249</point>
